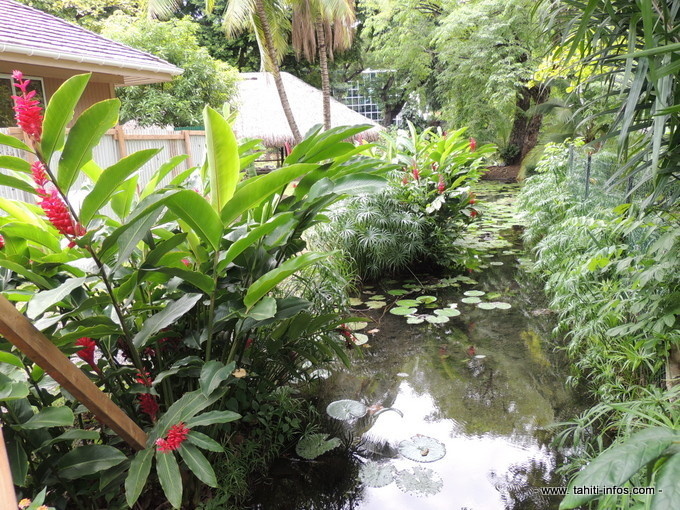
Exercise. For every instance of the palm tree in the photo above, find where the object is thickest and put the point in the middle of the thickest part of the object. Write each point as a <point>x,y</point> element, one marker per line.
<point>322,26</point>
<point>268,19</point>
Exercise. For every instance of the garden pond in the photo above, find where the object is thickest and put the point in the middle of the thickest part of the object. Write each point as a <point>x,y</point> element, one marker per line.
<point>456,389</point>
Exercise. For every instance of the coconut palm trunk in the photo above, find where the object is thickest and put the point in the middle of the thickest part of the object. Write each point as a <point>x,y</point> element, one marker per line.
<point>269,42</point>
<point>325,79</point>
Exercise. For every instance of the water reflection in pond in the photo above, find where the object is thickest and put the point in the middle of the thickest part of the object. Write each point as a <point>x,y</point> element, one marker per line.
<point>486,384</point>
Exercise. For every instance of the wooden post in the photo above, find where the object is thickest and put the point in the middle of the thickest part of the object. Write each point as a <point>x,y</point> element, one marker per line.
<point>8,499</point>
<point>120,137</point>
<point>18,329</point>
<point>187,148</point>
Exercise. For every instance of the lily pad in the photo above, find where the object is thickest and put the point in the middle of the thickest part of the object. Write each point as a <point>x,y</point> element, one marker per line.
<point>412,286</point>
<point>474,293</point>
<point>502,306</point>
<point>414,320</point>
<point>397,292</point>
<point>377,297</point>
<point>422,449</point>
<point>419,481</point>
<point>496,263</point>
<point>374,474</point>
<point>486,306</point>
<point>314,445</point>
<point>437,319</point>
<point>355,302</point>
<point>471,300</point>
<point>447,312</point>
<point>360,339</point>
<point>402,310</point>
<point>356,326</point>
<point>374,305</point>
<point>426,299</point>
<point>407,302</point>
<point>346,410</point>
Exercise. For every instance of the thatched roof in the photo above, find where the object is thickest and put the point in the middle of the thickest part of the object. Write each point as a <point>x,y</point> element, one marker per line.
<point>260,114</point>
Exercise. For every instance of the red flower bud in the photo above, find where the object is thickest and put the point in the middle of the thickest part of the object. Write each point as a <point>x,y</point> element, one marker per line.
<point>2,242</point>
<point>473,144</point>
<point>441,185</point>
<point>27,110</point>
<point>148,405</point>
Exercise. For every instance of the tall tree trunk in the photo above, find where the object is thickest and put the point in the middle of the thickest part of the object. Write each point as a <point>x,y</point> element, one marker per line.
<point>325,79</point>
<point>525,127</point>
<point>259,8</point>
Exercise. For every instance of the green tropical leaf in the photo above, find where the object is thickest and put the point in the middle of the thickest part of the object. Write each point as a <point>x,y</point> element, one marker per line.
<point>257,189</point>
<point>59,112</point>
<point>199,280</point>
<point>204,442</point>
<point>13,142</point>
<point>16,164</point>
<point>199,465</point>
<point>197,213</point>
<point>11,389</point>
<point>83,137</point>
<point>110,180</point>
<point>140,467</point>
<point>162,171</point>
<point>162,248</point>
<point>173,311</point>
<point>212,375</point>
<point>667,486</point>
<point>32,233</point>
<point>49,417</point>
<point>616,465</point>
<point>18,460</point>
<point>88,460</point>
<point>29,275</point>
<point>16,183</point>
<point>212,417</point>
<point>46,299</point>
<point>121,203</point>
<point>71,435</point>
<point>170,478</point>
<point>271,279</point>
<point>11,359</point>
<point>263,310</point>
<point>131,234</point>
<point>223,158</point>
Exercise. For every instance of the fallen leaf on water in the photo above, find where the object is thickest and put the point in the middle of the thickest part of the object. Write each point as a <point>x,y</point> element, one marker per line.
<point>373,331</point>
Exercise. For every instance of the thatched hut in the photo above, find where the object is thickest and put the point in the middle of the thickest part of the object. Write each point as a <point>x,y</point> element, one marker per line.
<point>260,114</point>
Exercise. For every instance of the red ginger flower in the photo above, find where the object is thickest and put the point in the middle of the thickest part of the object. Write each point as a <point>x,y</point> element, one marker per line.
<point>143,378</point>
<point>148,405</point>
<point>58,214</point>
<point>87,352</point>
<point>39,174</point>
<point>2,242</point>
<point>416,173</point>
<point>473,144</point>
<point>176,436</point>
<point>27,109</point>
<point>441,185</point>
<point>473,213</point>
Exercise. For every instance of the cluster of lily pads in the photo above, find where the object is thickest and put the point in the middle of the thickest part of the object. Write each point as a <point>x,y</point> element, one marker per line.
<point>418,481</point>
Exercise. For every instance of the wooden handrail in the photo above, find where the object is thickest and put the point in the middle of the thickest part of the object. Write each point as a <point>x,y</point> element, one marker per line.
<point>19,330</point>
<point>8,499</point>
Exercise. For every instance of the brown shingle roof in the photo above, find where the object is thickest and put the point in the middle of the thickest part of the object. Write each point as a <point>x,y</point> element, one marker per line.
<point>29,32</point>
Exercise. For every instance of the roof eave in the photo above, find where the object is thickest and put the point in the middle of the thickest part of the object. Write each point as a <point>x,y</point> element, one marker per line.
<point>133,73</point>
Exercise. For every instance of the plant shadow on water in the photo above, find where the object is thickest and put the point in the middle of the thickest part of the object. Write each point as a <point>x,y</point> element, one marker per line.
<point>486,383</point>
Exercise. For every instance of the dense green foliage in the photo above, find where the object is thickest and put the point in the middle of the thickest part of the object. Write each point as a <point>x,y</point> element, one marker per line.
<point>205,80</point>
<point>182,302</point>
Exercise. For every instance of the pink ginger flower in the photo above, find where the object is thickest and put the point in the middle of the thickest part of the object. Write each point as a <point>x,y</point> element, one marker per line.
<point>2,242</point>
<point>27,109</point>
<point>176,436</point>
<point>39,174</point>
<point>473,144</point>
<point>58,214</point>
<point>416,173</point>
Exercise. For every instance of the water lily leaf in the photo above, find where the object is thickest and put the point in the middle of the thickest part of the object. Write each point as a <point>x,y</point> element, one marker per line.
<point>447,312</point>
<point>314,445</point>
<point>355,302</point>
<point>346,410</point>
<point>397,292</point>
<point>412,286</point>
<point>356,326</point>
<point>474,293</point>
<point>391,282</point>
<point>377,297</point>
<point>496,263</point>
<point>437,319</point>
<point>414,320</point>
<point>419,481</point>
<point>374,474</point>
<point>502,306</point>
<point>360,339</point>
<point>426,299</point>
<point>407,302</point>
<point>422,449</point>
<point>402,310</point>
<point>493,295</point>
<point>486,306</point>
<point>471,300</point>
<point>374,305</point>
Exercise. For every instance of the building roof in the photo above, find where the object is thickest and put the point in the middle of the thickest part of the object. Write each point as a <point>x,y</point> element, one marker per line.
<point>260,114</point>
<point>28,35</point>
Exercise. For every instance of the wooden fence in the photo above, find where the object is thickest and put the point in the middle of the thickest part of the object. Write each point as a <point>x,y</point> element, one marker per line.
<point>120,142</point>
